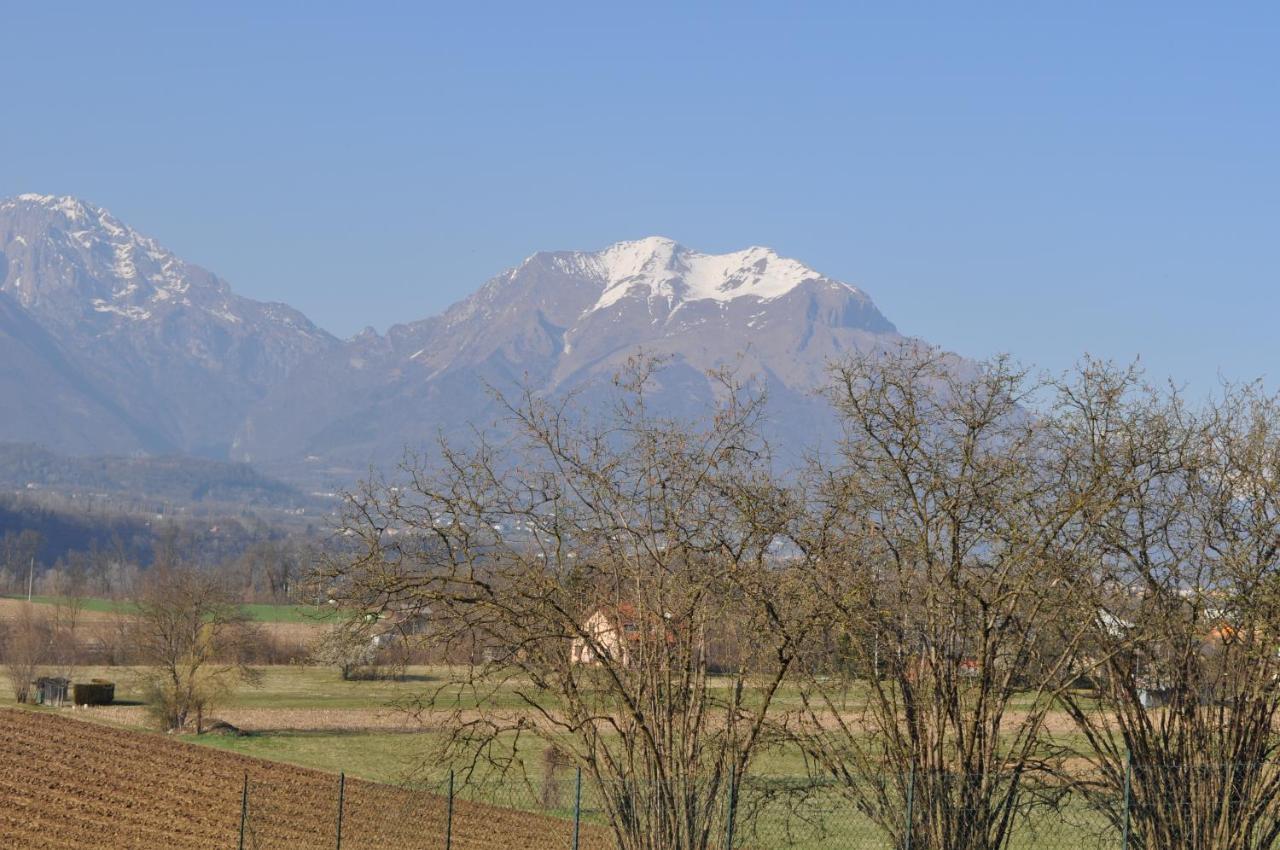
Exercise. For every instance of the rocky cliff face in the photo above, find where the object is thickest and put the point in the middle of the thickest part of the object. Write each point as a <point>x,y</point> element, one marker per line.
<point>125,346</point>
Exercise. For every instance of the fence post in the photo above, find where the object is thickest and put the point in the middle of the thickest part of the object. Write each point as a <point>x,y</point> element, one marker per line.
<point>1128,796</point>
<point>342,794</point>
<point>244,807</point>
<point>733,801</point>
<point>448,820</point>
<point>911,795</point>
<point>577,808</point>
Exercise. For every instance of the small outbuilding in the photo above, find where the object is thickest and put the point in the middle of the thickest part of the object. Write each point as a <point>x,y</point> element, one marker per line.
<point>52,690</point>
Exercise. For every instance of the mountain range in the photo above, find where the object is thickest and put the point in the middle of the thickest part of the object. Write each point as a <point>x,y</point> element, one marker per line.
<point>110,344</point>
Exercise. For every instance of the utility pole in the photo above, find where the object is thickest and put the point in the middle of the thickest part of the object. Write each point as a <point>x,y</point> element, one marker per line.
<point>31,577</point>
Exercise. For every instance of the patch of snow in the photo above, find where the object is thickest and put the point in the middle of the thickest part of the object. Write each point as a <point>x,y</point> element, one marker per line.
<point>134,313</point>
<point>67,205</point>
<point>415,355</point>
<point>124,266</point>
<point>110,225</point>
<point>659,269</point>
<point>225,314</point>
<point>72,209</point>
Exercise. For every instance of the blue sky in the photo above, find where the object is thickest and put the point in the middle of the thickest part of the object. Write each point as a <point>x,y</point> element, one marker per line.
<point>1051,181</point>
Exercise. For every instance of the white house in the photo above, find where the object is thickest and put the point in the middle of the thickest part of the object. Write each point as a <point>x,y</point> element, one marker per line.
<point>609,631</point>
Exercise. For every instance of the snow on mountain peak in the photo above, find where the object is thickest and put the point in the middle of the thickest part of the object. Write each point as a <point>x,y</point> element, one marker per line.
<point>123,271</point>
<point>660,268</point>
<point>72,208</point>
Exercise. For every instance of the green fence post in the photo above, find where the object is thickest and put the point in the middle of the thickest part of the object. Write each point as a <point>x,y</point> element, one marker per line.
<point>448,820</point>
<point>911,795</point>
<point>733,801</point>
<point>342,793</point>
<point>1128,796</point>
<point>244,807</point>
<point>577,808</point>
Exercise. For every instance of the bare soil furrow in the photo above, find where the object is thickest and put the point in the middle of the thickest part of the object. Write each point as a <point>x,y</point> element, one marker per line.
<point>71,784</point>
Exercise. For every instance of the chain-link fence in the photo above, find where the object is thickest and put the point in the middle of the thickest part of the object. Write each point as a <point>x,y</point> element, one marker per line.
<point>312,811</point>
<point>560,812</point>
<point>920,813</point>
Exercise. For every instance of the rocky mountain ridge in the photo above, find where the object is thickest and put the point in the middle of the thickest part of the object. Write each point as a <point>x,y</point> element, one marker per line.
<point>119,346</point>
<point>124,346</point>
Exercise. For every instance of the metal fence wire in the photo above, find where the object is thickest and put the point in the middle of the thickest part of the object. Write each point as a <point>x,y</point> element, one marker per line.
<point>564,812</point>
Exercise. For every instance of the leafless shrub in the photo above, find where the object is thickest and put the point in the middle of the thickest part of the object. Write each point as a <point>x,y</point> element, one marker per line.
<point>194,638</point>
<point>25,646</point>
<point>1184,609</point>
<point>940,547</point>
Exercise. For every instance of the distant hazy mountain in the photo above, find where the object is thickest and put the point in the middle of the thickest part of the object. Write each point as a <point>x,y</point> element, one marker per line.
<point>567,319</point>
<point>109,344</point>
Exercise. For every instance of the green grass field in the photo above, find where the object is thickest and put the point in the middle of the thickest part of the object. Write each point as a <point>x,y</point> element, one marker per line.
<point>306,691</point>
<point>261,613</point>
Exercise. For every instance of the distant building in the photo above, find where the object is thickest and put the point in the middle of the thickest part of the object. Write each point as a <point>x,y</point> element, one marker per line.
<point>616,631</point>
<point>609,631</point>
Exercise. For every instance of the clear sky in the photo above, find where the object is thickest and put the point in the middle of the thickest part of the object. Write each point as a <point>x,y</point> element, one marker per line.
<point>1100,177</point>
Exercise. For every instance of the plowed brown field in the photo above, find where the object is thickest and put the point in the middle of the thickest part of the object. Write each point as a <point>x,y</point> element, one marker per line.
<point>69,784</point>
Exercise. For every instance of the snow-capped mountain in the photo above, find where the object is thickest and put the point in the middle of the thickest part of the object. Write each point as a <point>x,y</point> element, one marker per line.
<point>566,320</point>
<point>109,343</point>
<point>124,346</point>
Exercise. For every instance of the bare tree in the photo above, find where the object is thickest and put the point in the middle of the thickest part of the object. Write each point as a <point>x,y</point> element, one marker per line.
<point>1185,615</point>
<point>19,552</point>
<point>68,592</point>
<point>24,647</point>
<point>940,547</point>
<point>267,569</point>
<point>347,645</point>
<point>584,572</point>
<point>191,632</point>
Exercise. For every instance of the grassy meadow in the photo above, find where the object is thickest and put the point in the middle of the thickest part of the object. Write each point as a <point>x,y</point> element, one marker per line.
<point>260,613</point>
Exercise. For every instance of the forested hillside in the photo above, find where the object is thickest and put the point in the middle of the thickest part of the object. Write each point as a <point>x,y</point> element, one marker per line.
<point>167,479</point>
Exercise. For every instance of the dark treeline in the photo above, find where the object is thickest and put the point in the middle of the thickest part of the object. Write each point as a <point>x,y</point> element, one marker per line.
<point>171,479</point>
<point>60,548</point>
